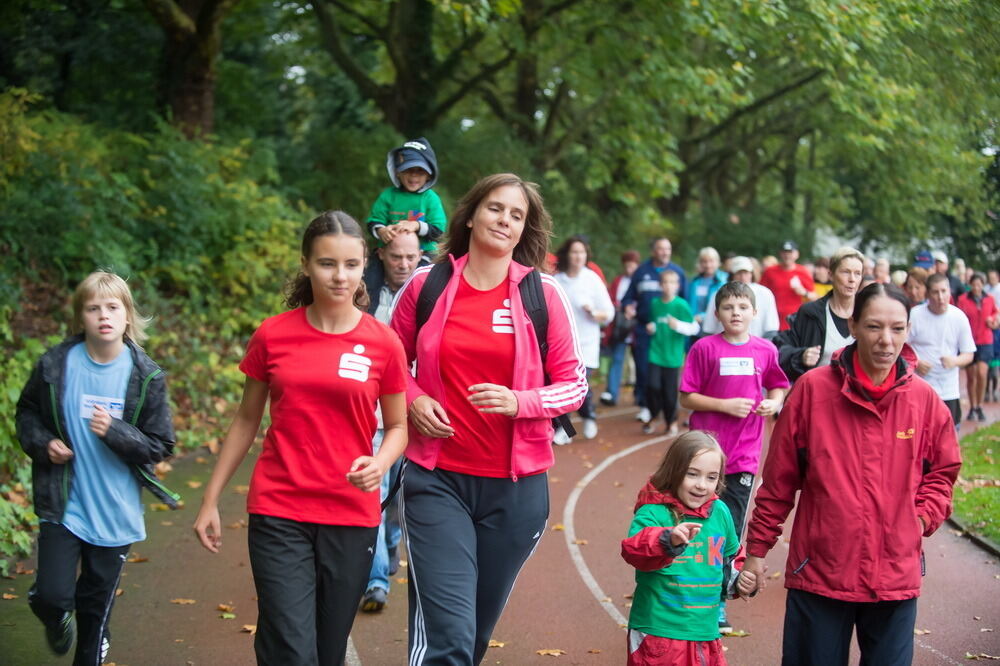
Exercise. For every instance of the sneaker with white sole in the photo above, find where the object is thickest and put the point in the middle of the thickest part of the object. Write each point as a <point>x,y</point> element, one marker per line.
<point>589,428</point>
<point>374,600</point>
<point>560,438</point>
<point>644,415</point>
<point>607,399</point>
<point>61,634</point>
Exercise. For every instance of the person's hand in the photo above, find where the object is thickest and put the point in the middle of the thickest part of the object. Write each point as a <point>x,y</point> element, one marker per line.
<point>429,418</point>
<point>651,328</point>
<point>746,584</point>
<point>948,362</point>
<point>366,473</point>
<point>796,284</point>
<point>59,453</point>
<point>386,234</point>
<point>923,367</point>
<point>207,526</point>
<point>738,407</point>
<point>100,421</point>
<point>810,357</point>
<point>682,533</point>
<point>767,407</point>
<point>409,226</point>
<point>672,322</point>
<point>493,399</point>
<point>755,566</point>
<point>629,311</point>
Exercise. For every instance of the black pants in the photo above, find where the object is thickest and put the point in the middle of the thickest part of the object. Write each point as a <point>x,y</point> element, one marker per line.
<point>587,410</point>
<point>737,498</point>
<point>818,631</point>
<point>467,538</point>
<point>58,590</point>
<point>640,354</point>
<point>310,579</point>
<point>661,392</point>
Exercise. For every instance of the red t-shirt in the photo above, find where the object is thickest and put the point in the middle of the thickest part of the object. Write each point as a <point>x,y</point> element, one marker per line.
<point>477,346</point>
<point>779,281</point>
<point>323,390</point>
<point>978,316</point>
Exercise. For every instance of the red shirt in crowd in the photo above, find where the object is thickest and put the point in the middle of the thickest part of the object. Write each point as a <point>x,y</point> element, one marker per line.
<point>323,389</point>
<point>979,314</point>
<point>779,281</point>
<point>477,346</point>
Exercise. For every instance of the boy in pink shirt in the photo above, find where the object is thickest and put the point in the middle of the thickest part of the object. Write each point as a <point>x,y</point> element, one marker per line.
<point>731,383</point>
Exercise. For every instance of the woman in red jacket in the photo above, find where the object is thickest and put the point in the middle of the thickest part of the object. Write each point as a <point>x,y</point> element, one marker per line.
<point>475,489</point>
<point>871,449</point>
<point>981,310</point>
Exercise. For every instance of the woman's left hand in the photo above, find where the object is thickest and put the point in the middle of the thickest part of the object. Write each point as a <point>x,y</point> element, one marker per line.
<point>365,473</point>
<point>493,399</point>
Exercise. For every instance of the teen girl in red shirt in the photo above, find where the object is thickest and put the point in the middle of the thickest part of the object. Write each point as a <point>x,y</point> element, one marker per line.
<point>313,500</point>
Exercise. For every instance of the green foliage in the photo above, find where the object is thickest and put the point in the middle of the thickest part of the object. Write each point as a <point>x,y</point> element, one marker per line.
<point>977,494</point>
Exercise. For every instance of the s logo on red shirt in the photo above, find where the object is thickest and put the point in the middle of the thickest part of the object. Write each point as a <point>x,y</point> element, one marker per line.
<point>503,321</point>
<point>354,366</point>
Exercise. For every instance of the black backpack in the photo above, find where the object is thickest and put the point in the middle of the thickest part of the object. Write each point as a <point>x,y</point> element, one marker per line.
<point>534,303</point>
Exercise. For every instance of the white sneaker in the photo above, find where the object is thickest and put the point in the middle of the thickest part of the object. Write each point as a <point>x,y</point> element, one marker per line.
<point>589,428</point>
<point>560,438</point>
<point>644,415</point>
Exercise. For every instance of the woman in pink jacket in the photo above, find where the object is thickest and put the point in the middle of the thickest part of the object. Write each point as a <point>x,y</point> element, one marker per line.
<point>871,450</point>
<point>475,489</point>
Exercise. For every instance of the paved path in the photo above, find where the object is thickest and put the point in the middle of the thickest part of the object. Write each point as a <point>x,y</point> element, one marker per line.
<point>570,596</point>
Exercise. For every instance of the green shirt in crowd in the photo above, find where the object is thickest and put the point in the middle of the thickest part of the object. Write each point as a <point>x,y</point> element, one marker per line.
<point>666,349</point>
<point>395,205</point>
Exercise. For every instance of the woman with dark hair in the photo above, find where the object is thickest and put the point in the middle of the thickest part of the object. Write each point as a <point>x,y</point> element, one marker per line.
<point>592,308</point>
<point>870,449</point>
<point>475,488</point>
<point>313,500</point>
<point>820,328</point>
<point>981,310</point>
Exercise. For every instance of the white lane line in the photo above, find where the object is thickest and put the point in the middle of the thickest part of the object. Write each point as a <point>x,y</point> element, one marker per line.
<point>570,530</point>
<point>941,655</point>
<point>352,658</point>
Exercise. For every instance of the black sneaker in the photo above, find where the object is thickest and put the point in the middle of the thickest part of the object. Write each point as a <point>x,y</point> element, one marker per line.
<point>60,635</point>
<point>979,413</point>
<point>648,428</point>
<point>971,416</point>
<point>607,400</point>
<point>393,561</point>
<point>374,600</point>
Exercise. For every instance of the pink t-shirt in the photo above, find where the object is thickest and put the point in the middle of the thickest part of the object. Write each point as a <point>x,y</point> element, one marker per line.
<point>719,369</point>
<point>323,388</point>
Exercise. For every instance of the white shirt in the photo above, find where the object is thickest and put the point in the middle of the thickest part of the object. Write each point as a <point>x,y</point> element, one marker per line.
<point>935,335</point>
<point>834,340</point>
<point>587,289</point>
<point>765,320</point>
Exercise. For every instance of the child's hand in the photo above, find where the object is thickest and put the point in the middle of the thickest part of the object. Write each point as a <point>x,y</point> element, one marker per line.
<point>672,322</point>
<point>100,421</point>
<point>651,328</point>
<point>207,527</point>
<point>683,533</point>
<point>386,234</point>
<point>410,226</point>
<point>767,407</point>
<point>746,584</point>
<point>738,407</point>
<point>365,473</point>
<point>59,453</point>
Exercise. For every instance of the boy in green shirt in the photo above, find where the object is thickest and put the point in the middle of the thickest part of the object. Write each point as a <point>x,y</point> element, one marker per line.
<point>670,322</point>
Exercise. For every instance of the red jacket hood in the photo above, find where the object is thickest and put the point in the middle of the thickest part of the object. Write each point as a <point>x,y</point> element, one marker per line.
<point>906,365</point>
<point>650,495</point>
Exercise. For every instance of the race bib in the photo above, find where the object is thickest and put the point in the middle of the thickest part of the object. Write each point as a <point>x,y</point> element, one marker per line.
<point>113,406</point>
<point>735,366</point>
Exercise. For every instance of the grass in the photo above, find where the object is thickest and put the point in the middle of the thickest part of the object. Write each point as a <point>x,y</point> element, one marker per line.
<point>977,493</point>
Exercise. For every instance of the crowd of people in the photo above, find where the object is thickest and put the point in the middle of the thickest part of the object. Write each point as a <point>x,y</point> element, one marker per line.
<point>468,357</point>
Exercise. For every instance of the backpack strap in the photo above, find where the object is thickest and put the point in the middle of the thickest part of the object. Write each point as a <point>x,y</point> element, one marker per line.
<point>430,292</point>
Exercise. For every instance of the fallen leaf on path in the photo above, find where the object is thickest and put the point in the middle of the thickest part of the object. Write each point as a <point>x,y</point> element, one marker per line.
<point>593,651</point>
<point>550,652</point>
<point>627,595</point>
<point>976,618</point>
<point>775,575</point>
<point>627,604</point>
<point>162,468</point>
<point>241,490</point>
<point>178,640</point>
<point>404,563</point>
<point>495,643</point>
<point>558,527</point>
<point>588,464</point>
<point>167,523</point>
<point>618,484</point>
<point>21,571</point>
<point>183,602</point>
<point>225,608</point>
<point>981,656</point>
<point>194,484</point>
<point>237,525</point>
<point>8,596</point>
<point>227,616</point>
<point>921,632</point>
<point>739,633</point>
<point>606,600</point>
<point>580,542</point>
<point>136,558</point>
<point>119,592</point>
<point>213,446</point>
<point>201,460</point>
<point>249,629</point>
<point>402,581</point>
<point>984,629</point>
<point>158,506</point>
<point>555,479</point>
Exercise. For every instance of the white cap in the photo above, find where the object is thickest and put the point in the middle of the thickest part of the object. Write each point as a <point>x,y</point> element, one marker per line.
<point>938,255</point>
<point>737,264</point>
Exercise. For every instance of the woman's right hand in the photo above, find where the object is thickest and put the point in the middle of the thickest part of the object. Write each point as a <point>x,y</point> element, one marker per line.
<point>207,526</point>
<point>429,417</point>
<point>810,357</point>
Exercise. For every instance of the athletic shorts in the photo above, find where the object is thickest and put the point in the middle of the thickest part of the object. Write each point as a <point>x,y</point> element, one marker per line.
<point>955,407</point>
<point>984,354</point>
